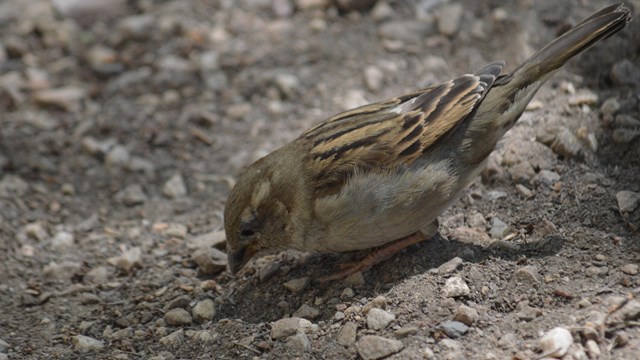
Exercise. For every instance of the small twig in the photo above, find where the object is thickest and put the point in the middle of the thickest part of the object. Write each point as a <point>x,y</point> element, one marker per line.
<point>247,347</point>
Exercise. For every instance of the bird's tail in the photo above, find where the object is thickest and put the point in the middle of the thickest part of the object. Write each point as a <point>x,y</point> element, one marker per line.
<point>510,93</point>
<point>589,31</point>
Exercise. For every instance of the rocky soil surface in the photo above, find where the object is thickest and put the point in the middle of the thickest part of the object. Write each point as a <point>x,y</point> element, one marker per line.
<point>124,123</point>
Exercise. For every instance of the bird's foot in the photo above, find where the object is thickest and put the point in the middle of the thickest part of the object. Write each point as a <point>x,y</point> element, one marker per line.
<point>374,257</point>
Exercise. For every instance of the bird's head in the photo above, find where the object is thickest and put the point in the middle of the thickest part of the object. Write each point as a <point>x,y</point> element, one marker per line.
<point>257,216</point>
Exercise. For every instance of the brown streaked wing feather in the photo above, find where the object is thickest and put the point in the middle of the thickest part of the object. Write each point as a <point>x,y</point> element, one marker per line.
<point>388,134</point>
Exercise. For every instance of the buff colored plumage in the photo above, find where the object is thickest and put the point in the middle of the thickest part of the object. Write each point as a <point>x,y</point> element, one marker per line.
<point>380,174</point>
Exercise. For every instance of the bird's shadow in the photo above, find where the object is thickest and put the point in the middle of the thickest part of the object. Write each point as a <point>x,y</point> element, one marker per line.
<point>255,301</point>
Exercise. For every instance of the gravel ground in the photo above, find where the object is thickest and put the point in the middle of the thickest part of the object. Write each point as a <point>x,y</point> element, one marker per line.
<point>124,123</point>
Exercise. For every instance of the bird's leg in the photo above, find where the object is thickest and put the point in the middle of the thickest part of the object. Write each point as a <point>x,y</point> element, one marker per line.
<point>379,255</point>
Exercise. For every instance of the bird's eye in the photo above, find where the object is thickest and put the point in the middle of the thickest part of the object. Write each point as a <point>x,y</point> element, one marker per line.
<point>247,233</point>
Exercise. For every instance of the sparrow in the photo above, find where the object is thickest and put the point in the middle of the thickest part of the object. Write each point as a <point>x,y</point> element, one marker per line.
<point>379,175</point>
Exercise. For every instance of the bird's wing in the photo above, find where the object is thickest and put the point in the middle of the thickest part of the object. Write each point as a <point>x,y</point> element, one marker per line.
<point>391,133</point>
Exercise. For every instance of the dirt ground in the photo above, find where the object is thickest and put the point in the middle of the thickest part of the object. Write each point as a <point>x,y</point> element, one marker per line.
<point>124,123</point>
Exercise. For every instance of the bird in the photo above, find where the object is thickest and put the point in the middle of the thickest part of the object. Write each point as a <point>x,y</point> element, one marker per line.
<point>378,176</point>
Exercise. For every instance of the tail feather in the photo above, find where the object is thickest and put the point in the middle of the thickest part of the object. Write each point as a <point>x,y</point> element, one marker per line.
<point>585,34</point>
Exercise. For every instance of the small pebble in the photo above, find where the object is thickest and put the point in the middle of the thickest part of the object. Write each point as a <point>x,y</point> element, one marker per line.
<point>453,329</point>
<point>630,269</point>
<point>307,312</point>
<point>455,287</point>
<point>347,334</point>
<point>177,317</point>
<point>527,275</point>
<point>204,310</point>
<point>499,228</point>
<point>556,342</point>
<point>128,260</point>
<point>373,78</point>
<point>593,348</point>
<point>450,266</point>
<point>296,285</point>
<point>524,191</point>
<point>372,347</point>
<point>378,319</point>
<point>210,261</point>
<point>299,343</point>
<point>378,302</point>
<point>627,200</point>
<point>347,293</point>
<point>174,187</point>
<point>86,344</point>
<point>583,97</point>
<point>466,315</point>
<point>288,326</point>
<point>174,339</point>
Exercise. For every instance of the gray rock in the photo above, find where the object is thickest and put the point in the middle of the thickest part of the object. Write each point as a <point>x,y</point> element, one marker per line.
<point>499,228</point>
<point>610,107</point>
<point>127,260</point>
<point>131,195</point>
<point>455,287</point>
<point>63,271</point>
<point>347,293</point>
<point>288,326</point>
<point>299,343</point>
<point>524,191</point>
<point>296,285</point>
<point>86,344</point>
<point>204,310</point>
<point>450,266</point>
<point>449,17</point>
<point>62,240</point>
<point>453,329</point>
<point>381,11</point>
<point>98,275</point>
<point>378,319</point>
<point>4,345</point>
<point>469,235</point>
<point>556,342</point>
<point>174,187</point>
<point>178,317</point>
<point>527,275</point>
<point>378,302</point>
<point>547,177</point>
<point>307,312</point>
<point>118,156</point>
<point>466,315</point>
<point>627,200</point>
<point>372,347</point>
<point>210,260</point>
<point>174,339</point>
<point>137,27</point>
<point>476,220</point>
<point>35,231</point>
<point>566,143</point>
<point>373,77</point>
<point>347,334</point>
<point>12,186</point>
<point>630,269</point>
<point>65,98</point>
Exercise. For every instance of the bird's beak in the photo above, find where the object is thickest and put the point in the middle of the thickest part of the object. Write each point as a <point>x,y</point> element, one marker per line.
<point>240,257</point>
